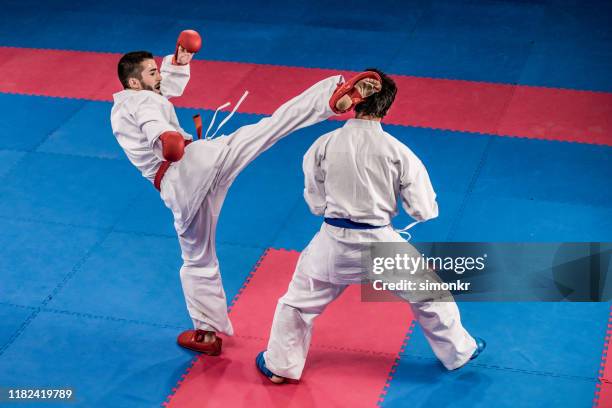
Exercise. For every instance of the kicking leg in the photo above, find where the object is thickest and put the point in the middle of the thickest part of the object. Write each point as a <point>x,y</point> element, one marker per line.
<point>246,143</point>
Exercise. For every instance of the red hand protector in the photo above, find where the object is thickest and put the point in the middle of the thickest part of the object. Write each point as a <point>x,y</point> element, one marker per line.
<point>190,40</point>
<point>173,146</point>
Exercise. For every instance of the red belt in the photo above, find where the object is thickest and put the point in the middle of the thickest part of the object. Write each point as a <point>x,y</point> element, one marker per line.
<point>162,171</point>
<point>160,174</point>
<point>197,119</point>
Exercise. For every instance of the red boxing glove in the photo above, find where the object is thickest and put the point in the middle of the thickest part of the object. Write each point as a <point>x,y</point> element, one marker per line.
<point>190,40</point>
<point>173,146</point>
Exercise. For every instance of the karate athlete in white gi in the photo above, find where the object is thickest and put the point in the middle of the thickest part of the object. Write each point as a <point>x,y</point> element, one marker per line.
<point>353,176</point>
<point>194,176</point>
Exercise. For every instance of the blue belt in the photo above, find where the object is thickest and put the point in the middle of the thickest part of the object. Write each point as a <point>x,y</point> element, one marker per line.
<point>346,223</point>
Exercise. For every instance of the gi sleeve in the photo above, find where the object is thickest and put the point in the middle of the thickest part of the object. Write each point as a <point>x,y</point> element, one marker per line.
<point>417,193</point>
<point>150,118</point>
<point>314,180</point>
<point>174,78</point>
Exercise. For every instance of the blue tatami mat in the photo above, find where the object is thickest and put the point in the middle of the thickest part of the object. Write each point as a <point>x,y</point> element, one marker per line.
<point>538,354</point>
<point>136,277</point>
<point>109,363</point>
<point>12,318</point>
<point>26,121</point>
<point>67,189</point>
<point>36,257</point>
<point>90,292</point>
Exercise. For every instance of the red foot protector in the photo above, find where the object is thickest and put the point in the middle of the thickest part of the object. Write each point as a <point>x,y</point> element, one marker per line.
<point>603,391</point>
<point>354,348</point>
<point>481,107</point>
<point>194,340</point>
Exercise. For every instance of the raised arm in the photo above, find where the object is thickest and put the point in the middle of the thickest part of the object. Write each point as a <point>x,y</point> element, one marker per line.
<point>417,193</point>
<point>175,69</point>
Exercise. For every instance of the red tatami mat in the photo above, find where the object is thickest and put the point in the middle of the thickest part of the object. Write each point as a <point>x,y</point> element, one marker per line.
<point>497,109</point>
<point>354,348</point>
<point>603,392</point>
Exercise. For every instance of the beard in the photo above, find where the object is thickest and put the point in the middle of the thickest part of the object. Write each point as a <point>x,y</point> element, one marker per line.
<point>155,88</point>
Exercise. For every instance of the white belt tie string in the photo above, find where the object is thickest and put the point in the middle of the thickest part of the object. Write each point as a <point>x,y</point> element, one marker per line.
<point>227,118</point>
<point>404,231</point>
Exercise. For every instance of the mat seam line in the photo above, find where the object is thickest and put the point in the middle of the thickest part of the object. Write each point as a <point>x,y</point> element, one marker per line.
<point>601,379</point>
<point>285,221</point>
<point>468,193</point>
<point>393,369</point>
<point>478,171</point>
<point>116,230</point>
<point>93,316</point>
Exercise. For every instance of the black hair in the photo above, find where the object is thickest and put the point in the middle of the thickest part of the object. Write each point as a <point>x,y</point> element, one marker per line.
<point>129,66</point>
<point>379,103</point>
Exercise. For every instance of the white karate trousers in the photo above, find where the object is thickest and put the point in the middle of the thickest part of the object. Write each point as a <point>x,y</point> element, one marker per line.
<point>330,262</point>
<point>200,273</point>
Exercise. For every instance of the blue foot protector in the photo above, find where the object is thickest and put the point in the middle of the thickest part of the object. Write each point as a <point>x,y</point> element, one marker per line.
<point>481,344</point>
<point>260,362</point>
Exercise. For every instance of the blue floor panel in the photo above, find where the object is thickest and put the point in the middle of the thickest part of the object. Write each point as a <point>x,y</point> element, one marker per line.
<point>572,48</point>
<point>501,44</point>
<point>451,158</point>
<point>535,337</point>
<point>556,42</point>
<point>35,258</point>
<point>537,355</point>
<point>147,213</point>
<point>68,189</point>
<point>86,133</point>
<point>492,219</point>
<point>570,173</point>
<point>136,366</point>
<point>8,159</point>
<point>26,121</point>
<point>424,383</point>
<point>136,277</point>
<point>12,318</point>
<point>302,50</point>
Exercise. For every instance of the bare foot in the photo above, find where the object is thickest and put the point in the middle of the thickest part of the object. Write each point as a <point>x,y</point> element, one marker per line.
<point>209,337</point>
<point>277,380</point>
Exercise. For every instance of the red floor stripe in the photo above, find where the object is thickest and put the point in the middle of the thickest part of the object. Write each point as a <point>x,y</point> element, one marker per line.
<point>354,348</point>
<point>498,109</point>
<point>603,392</point>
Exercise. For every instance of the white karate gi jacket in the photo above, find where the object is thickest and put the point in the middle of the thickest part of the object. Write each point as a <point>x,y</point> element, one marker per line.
<point>138,118</point>
<point>359,172</point>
